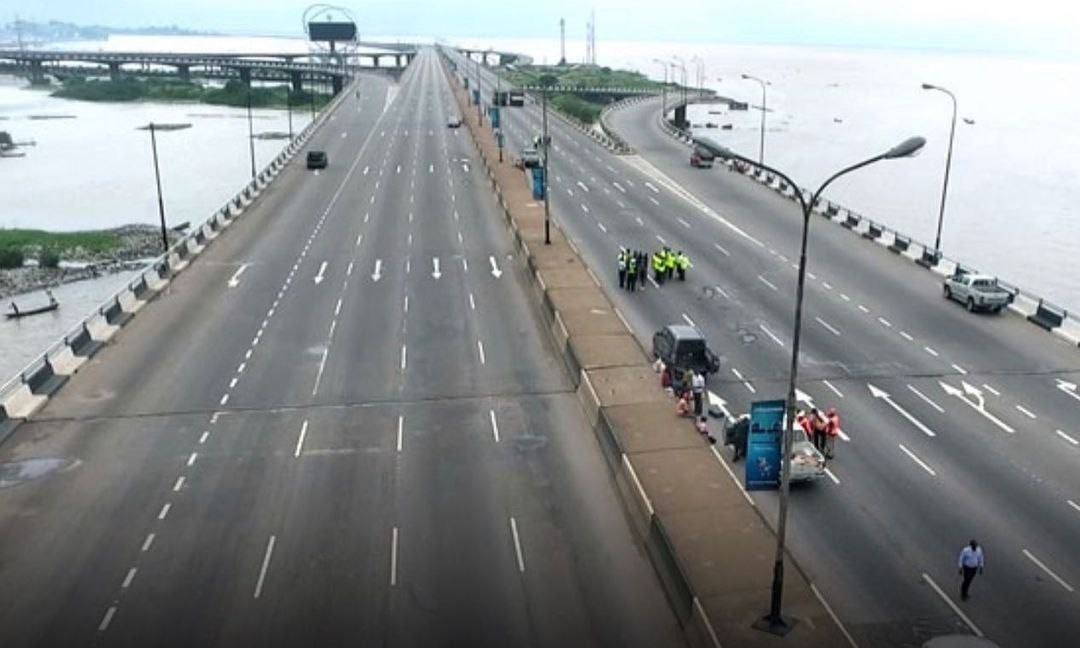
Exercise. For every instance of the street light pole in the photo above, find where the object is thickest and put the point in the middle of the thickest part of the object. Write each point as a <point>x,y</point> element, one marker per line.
<point>682,66</point>
<point>251,131</point>
<point>948,165</point>
<point>544,143</point>
<point>764,106</point>
<point>160,201</point>
<point>479,95</point>
<point>288,103</point>
<point>774,622</point>
<point>663,89</point>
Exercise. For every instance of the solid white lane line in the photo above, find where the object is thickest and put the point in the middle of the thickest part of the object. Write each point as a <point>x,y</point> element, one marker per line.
<point>265,566</point>
<point>991,390</point>
<point>771,334</point>
<point>959,369</point>
<point>472,302</point>
<point>148,542</point>
<point>834,389</point>
<point>926,398</point>
<point>1026,412</point>
<point>686,318</point>
<point>494,426</point>
<point>179,484</point>
<point>885,322</point>
<point>164,511</point>
<point>721,250</point>
<point>766,282</point>
<point>480,348</point>
<point>955,608</point>
<point>129,578</point>
<point>403,357</point>
<point>1060,581</point>
<point>828,326</point>
<point>517,545</point>
<point>104,625</point>
<point>930,351</point>
<point>191,459</point>
<point>921,463</point>
<point>1067,437</point>
<point>393,557</point>
<point>400,431</point>
<point>300,440</point>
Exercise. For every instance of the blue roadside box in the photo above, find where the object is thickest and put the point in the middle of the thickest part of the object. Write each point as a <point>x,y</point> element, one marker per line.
<point>538,182</point>
<point>763,445</point>
<point>493,114</point>
<point>476,96</point>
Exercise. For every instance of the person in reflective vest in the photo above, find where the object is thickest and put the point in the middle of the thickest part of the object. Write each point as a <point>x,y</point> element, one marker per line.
<point>832,430</point>
<point>669,263</point>
<point>622,267</point>
<point>631,272</point>
<point>682,262</point>
<point>658,266</point>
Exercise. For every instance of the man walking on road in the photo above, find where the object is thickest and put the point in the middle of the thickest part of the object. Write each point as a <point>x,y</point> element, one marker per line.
<point>971,560</point>
<point>643,269</point>
<point>622,267</point>
<point>631,272</point>
<point>697,386</point>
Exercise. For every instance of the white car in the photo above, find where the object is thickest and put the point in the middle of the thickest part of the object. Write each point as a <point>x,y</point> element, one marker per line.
<point>807,462</point>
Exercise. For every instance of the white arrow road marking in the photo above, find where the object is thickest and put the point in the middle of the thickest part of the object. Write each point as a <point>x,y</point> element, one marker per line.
<point>978,407</point>
<point>234,281</point>
<point>375,276</point>
<point>715,400</point>
<point>495,267</point>
<point>1068,388</point>
<point>435,264</point>
<point>322,274</point>
<point>801,396</point>
<point>883,395</point>
<point>1060,581</point>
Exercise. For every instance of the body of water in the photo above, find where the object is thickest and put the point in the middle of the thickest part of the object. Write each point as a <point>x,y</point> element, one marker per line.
<point>1015,183</point>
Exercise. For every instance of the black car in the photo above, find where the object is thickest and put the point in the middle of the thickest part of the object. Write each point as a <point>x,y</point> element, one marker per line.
<point>683,347</point>
<point>317,160</point>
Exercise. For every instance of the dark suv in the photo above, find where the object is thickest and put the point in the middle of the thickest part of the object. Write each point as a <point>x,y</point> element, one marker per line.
<point>317,160</point>
<point>682,347</point>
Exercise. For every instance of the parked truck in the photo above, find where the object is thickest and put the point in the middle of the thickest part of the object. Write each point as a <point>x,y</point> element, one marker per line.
<point>977,292</point>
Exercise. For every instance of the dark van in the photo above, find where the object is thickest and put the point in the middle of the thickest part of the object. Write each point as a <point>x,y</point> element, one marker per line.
<point>682,347</point>
<point>317,160</point>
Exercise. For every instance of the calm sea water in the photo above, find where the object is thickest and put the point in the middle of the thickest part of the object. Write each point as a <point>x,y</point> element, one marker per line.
<point>1015,184</point>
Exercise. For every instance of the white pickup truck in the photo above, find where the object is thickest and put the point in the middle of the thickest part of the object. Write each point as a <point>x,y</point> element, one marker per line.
<point>977,292</point>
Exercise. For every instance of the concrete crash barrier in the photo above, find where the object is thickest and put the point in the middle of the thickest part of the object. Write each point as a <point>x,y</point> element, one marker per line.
<point>82,343</point>
<point>900,244</point>
<point>64,360</point>
<point>7,424</point>
<point>19,402</point>
<point>928,259</point>
<point>43,379</point>
<point>1047,315</point>
<point>873,231</point>
<point>115,314</point>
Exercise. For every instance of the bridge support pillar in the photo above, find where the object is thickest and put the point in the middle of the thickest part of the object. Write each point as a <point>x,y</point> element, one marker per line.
<point>297,81</point>
<point>37,73</point>
<point>680,117</point>
<point>338,83</point>
<point>397,60</point>
<point>245,76</point>
<point>114,71</point>
<point>375,61</point>
<point>184,72</point>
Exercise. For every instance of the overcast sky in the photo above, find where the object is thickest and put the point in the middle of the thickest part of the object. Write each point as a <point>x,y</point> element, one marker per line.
<point>1037,26</point>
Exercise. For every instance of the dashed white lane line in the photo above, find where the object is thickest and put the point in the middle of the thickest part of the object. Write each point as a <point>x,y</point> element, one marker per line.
<point>619,187</point>
<point>472,302</point>
<point>109,614</point>
<point>1026,412</point>
<point>722,292</point>
<point>393,557</point>
<point>517,545</point>
<point>864,308</point>
<point>926,399</point>
<point>164,511</point>
<point>480,349</point>
<point>191,459</point>
<point>832,329</point>
<point>884,322</point>
<point>921,463</point>
<point>1067,437</point>
<point>745,383</point>
<point>831,476</point>
<point>147,543</point>
<point>959,369</point>
<point>300,440</point>
<point>232,383</point>
<point>771,334</point>
<point>812,276</point>
<point>661,239</point>
<point>845,297</point>
<point>955,608</point>
<point>403,357</point>
<point>265,566</point>
<point>652,187</point>
<point>224,399</point>
<point>179,484</point>
<point>494,426</point>
<point>654,201</point>
<point>584,208</point>
<point>602,227</point>
<point>991,390</point>
<point>767,282</point>
<point>129,578</point>
<point>826,285</point>
<point>1074,505</point>
<point>686,318</point>
<point>930,351</point>
<point>638,220</point>
<point>834,389</point>
<point>721,250</point>
<point>907,336</point>
<point>583,186</point>
<point>400,431</point>
<point>683,222</point>
<point>319,373</point>
<point>1051,574</point>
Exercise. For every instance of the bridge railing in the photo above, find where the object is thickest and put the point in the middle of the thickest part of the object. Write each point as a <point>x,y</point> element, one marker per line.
<point>29,389</point>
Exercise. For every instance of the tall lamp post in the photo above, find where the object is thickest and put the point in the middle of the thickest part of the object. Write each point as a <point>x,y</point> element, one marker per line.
<point>764,98</point>
<point>157,181</point>
<point>774,622</point>
<point>663,89</point>
<point>948,165</point>
<point>251,131</point>
<point>479,95</point>
<point>682,66</point>
<point>546,82</point>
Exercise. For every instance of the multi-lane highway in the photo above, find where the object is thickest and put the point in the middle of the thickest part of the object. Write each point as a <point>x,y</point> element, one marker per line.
<point>342,425</point>
<point>956,426</point>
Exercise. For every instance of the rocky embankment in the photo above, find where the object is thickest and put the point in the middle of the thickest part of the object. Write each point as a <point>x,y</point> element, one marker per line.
<point>136,243</point>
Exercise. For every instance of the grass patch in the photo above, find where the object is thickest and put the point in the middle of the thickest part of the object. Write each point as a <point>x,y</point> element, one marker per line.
<point>586,111</point>
<point>234,93</point>
<point>58,242</point>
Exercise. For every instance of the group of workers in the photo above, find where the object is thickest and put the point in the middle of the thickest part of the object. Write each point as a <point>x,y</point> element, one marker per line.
<point>821,429</point>
<point>634,266</point>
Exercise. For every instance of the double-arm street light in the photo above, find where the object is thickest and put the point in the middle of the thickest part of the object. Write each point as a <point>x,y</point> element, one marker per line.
<point>774,622</point>
<point>764,98</point>
<point>546,82</point>
<point>948,164</point>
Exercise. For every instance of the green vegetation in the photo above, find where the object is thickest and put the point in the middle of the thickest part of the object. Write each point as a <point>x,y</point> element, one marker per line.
<point>235,93</point>
<point>586,111</point>
<point>49,244</point>
<point>10,257</point>
<point>49,258</point>
<point>580,76</point>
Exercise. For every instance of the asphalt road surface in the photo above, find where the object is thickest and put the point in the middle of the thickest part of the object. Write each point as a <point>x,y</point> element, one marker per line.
<point>343,425</point>
<point>957,425</point>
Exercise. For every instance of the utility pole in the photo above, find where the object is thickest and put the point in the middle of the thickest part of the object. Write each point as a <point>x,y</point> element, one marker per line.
<point>562,41</point>
<point>160,201</point>
<point>251,131</point>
